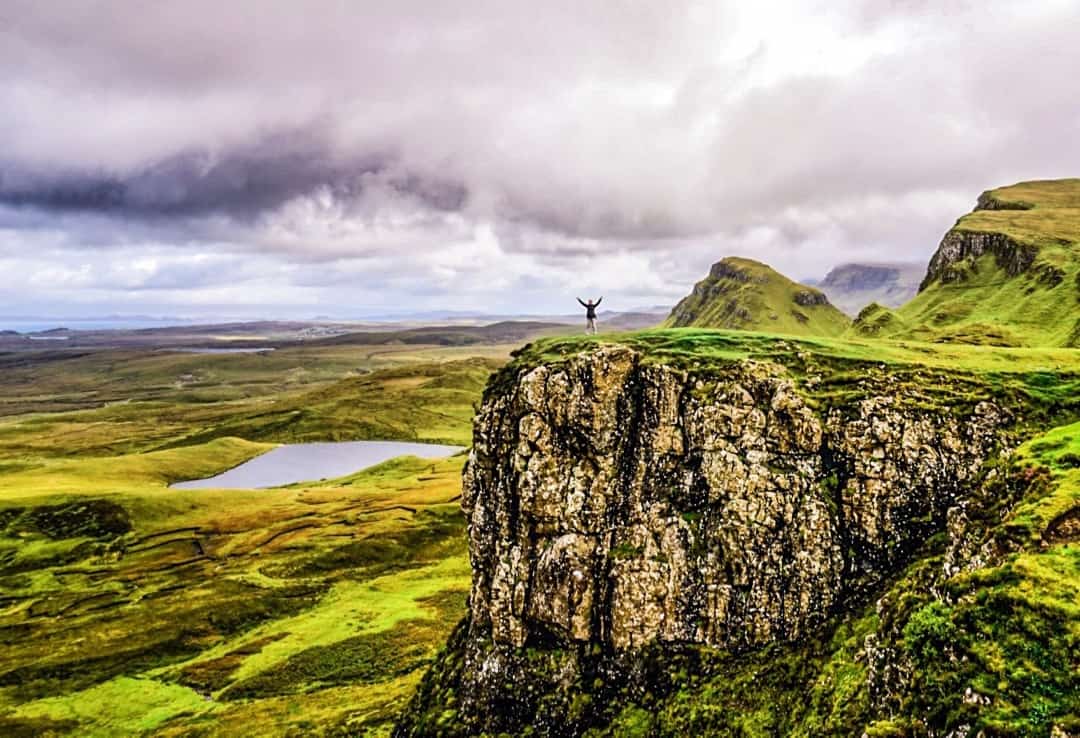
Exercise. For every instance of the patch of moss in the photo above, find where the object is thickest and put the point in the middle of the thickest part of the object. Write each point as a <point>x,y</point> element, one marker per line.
<point>215,674</point>
<point>13,727</point>
<point>91,518</point>
<point>228,610</point>
<point>357,660</point>
<point>626,551</point>
<point>375,554</point>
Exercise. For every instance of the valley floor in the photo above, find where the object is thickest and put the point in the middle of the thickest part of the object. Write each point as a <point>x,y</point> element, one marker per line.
<point>128,607</point>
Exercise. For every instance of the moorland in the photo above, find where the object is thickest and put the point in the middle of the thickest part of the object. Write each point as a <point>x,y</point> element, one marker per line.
<point>129,607</point>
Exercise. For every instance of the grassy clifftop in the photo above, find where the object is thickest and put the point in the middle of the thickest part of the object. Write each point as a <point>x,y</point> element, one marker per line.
<point>1044,377</point>
<point>1007,273</point>
<point>976,635</point>
<point>744,294</point>
<point>1031,212</point>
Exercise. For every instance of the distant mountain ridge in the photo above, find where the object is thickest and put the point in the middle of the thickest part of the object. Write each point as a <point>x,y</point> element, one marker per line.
<point>853,286</point>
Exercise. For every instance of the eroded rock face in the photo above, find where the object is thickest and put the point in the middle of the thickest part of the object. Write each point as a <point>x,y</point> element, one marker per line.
<point>960,247</point>
<point>619,503</point>
<point>807,298</point>
<point>616,505</point>
<point>987,201</point>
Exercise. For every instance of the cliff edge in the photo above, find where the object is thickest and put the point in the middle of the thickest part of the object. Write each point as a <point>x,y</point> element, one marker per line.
<point>622,505</point>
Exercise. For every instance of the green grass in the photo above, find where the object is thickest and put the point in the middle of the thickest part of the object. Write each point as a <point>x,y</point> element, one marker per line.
<point>991,307</point>
<point>129,607</point>
<point>1041,385</point>
<point>50,381</point>
<point>1038,307</point>
<point>705,346</point>
<point>285,580</point>
<point>747,295</point>
<point>132,706</point>
<point>1052,468</point>
<point>1036,212</point>
<point>424,401</point>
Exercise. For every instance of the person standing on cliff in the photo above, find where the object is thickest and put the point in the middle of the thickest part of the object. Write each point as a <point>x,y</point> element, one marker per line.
<point>590,314</point>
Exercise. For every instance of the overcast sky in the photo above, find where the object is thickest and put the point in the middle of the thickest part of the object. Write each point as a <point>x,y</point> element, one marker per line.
<point>291,159</point>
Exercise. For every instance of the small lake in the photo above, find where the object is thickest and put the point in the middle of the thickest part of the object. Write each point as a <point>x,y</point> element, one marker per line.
<point>222,350</point>
<point>304,462</point>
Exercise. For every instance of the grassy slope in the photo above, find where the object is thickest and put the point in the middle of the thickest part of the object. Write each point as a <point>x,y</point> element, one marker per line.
<point>703,345</point>
<point>268,610</point>
<point>764,301</point>
<point>313,609</point>
<point>421,401</point>
<point>53,381</point>
<point>990,306</point>
<point>129,607</point>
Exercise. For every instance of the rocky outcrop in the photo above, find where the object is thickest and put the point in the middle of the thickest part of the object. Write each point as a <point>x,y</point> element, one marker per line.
<point>730,269</point>
<point>960,248</point>
<point>616,505</point>
<point>989,201</point>
<point>807,298</point>
<point>877,320</point>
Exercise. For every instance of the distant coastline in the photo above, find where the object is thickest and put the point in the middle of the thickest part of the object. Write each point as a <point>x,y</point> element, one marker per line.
<point>39,325</point>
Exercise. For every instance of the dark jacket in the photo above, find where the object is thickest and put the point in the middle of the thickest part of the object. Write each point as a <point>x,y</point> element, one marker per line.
<point>590,310</point>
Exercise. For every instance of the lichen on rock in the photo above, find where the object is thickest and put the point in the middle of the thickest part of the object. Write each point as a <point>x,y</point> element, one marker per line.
<point>960,248</point>
<point>617,504</point>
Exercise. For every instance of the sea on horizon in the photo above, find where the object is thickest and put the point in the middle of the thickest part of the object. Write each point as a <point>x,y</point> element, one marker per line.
<point>93,324</point>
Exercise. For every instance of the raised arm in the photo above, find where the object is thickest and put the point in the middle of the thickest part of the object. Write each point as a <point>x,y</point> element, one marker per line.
<point>599,301</point>
<point>582,303</point>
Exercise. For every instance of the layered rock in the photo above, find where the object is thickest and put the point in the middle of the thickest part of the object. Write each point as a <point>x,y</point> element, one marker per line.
<point>617,505</point>
<point>989,200</point>
<point>959,248</point>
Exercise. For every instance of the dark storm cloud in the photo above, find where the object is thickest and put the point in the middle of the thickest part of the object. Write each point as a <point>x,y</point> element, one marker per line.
<point>253,178</point>
<point>458,142</point>
<point>139,109</point>
<point>620,129</point>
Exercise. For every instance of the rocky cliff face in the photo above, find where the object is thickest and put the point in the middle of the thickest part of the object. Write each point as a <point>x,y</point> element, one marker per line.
<point>617,505</point>
<point>1006,274</point>
<point>958,248</point>
<point>990,201</point>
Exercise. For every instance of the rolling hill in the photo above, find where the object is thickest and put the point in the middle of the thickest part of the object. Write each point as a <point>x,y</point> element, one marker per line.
<point>744,294</point>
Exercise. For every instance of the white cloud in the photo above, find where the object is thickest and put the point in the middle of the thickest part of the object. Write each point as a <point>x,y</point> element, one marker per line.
<point>491,155</point>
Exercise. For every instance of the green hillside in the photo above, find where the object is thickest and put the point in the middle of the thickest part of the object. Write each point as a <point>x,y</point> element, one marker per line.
<point>744,294</point>
<point>1007,273</point>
